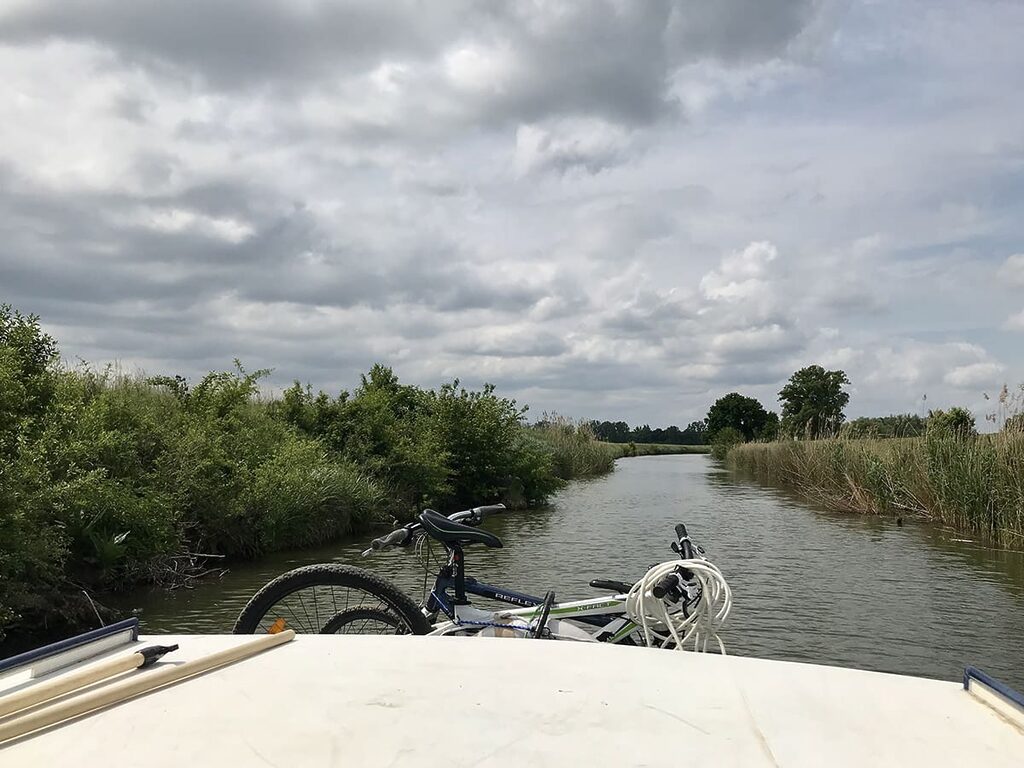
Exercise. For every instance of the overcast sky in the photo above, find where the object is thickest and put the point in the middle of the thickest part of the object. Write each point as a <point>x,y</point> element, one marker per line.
<point>613,210</point>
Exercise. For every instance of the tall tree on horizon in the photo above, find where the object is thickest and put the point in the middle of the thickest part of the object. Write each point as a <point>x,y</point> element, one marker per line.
<point>740,412</point>
<point>813,401</point>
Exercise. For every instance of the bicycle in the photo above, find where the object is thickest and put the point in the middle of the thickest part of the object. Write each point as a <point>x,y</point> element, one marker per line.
<point>674,603</point>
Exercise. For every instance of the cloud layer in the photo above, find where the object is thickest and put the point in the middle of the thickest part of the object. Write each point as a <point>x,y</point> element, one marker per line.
<point>609,209</point>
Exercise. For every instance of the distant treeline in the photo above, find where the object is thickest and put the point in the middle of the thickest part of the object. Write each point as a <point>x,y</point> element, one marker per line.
<point>897,425</point>
<point>620,432</point>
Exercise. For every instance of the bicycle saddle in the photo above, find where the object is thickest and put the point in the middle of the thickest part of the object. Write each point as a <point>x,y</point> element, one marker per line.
<point>444,530</point>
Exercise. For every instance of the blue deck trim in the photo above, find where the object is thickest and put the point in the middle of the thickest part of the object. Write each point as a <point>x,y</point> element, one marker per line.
<point>996,685</point>
<point>72,642</point>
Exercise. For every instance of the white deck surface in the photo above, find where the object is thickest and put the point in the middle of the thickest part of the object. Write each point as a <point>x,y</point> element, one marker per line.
<point>370,701</point>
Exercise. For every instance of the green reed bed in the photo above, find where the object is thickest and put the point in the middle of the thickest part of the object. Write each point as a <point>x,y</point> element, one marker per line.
<point>971,483</point>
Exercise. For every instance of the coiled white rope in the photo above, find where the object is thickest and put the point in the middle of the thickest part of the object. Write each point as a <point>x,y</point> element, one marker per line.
<point>664,622</point>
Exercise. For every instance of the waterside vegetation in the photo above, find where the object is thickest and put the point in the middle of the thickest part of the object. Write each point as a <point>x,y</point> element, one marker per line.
<point>973,484</point>
<point>936,468</point>
<point>109,480</point>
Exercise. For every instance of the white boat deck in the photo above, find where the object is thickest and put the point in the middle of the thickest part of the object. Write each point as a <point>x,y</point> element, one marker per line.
<point>373,701</point>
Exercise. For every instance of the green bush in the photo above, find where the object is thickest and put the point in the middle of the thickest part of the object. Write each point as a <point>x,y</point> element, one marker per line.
<point>445,448</point>
<point>385,427</point>
<point>724,440</point>
<point>956,422</point>
<point>303,497</point>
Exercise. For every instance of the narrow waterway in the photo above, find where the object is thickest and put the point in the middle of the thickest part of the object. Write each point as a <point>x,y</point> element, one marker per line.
<point>808,585</point>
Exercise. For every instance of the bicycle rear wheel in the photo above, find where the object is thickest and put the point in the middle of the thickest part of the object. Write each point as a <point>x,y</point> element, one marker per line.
<point>310,600</point>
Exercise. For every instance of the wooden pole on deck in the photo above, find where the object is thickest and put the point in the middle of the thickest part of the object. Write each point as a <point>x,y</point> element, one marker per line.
<point>134,686</point>
<point>94,673</point>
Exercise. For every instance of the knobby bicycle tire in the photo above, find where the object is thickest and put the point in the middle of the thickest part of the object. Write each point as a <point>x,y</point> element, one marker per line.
<point>352,615</point>
<point>330,575</point>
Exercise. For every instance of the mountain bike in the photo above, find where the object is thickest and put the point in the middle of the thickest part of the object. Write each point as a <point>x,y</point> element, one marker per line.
<point>674,603</point>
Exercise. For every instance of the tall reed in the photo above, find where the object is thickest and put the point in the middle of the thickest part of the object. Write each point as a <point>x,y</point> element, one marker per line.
<point>575,452</point>
<point>972,484</point>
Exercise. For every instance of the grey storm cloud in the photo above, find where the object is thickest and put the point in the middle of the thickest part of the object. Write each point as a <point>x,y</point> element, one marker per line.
<point>610,209</point>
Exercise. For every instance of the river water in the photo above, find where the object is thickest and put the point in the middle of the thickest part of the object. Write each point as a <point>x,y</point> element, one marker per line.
<point>849,590</point>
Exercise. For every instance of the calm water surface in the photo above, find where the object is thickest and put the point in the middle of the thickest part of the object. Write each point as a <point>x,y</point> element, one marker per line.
<point>850,590</point>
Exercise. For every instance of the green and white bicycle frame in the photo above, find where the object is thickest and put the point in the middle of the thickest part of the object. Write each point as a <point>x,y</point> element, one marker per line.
<point>598,619</point>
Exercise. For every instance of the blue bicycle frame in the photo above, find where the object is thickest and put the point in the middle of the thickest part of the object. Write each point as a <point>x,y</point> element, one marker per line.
<point>440,600</point>
<point>452,577</point>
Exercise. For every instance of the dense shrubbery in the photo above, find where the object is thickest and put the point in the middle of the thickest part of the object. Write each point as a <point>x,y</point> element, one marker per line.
<point>106,480</point>
<point>956,422</point>
<point>724,440</point>
<point>442,448</point>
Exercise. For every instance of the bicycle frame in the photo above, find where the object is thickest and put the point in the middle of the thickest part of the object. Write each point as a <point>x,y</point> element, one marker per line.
<point>605,613</point>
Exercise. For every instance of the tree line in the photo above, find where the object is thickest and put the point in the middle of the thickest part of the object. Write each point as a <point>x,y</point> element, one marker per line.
<point>620,432</point>
<point>813,404</point>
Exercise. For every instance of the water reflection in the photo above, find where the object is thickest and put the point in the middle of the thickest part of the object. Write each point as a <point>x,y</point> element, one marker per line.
<point>809,585</point>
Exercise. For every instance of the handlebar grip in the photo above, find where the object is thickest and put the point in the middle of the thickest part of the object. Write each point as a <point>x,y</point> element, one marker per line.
<point>489,509</point>
<point>686,547</point>
<point>395,538</point>
<point>665,585</point>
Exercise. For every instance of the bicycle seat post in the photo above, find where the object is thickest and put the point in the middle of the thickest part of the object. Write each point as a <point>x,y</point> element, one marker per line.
<point>459,561</point>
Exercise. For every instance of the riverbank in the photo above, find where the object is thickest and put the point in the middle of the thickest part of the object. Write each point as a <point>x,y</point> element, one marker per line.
<point>108,480</point>
<point>971,484</point>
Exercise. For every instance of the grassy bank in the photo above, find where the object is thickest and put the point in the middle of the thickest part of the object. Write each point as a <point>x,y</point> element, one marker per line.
<point>107,481</point>
<point>973,484</point>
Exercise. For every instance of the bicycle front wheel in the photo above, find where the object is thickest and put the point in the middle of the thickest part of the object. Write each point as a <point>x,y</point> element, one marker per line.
<point>312,599</point>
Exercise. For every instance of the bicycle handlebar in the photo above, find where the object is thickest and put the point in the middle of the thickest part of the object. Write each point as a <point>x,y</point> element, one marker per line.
<point>477,515</point>
<point>402,536</point>
<point>396,538</point>
<point>489,509</point>
<point>665,585</point>
<point>685,549</point>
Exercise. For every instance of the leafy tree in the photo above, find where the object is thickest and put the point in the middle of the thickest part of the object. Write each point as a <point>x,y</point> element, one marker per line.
<point>813,402</point>
<point>611,432</point>
<point>32,552</point>
<point>28,377</point>
<point>1014,425</point>
<point>696,433</point>
<point>744,414</point>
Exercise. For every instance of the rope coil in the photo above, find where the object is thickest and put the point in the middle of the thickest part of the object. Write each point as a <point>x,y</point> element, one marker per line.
<point>662,626</point>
